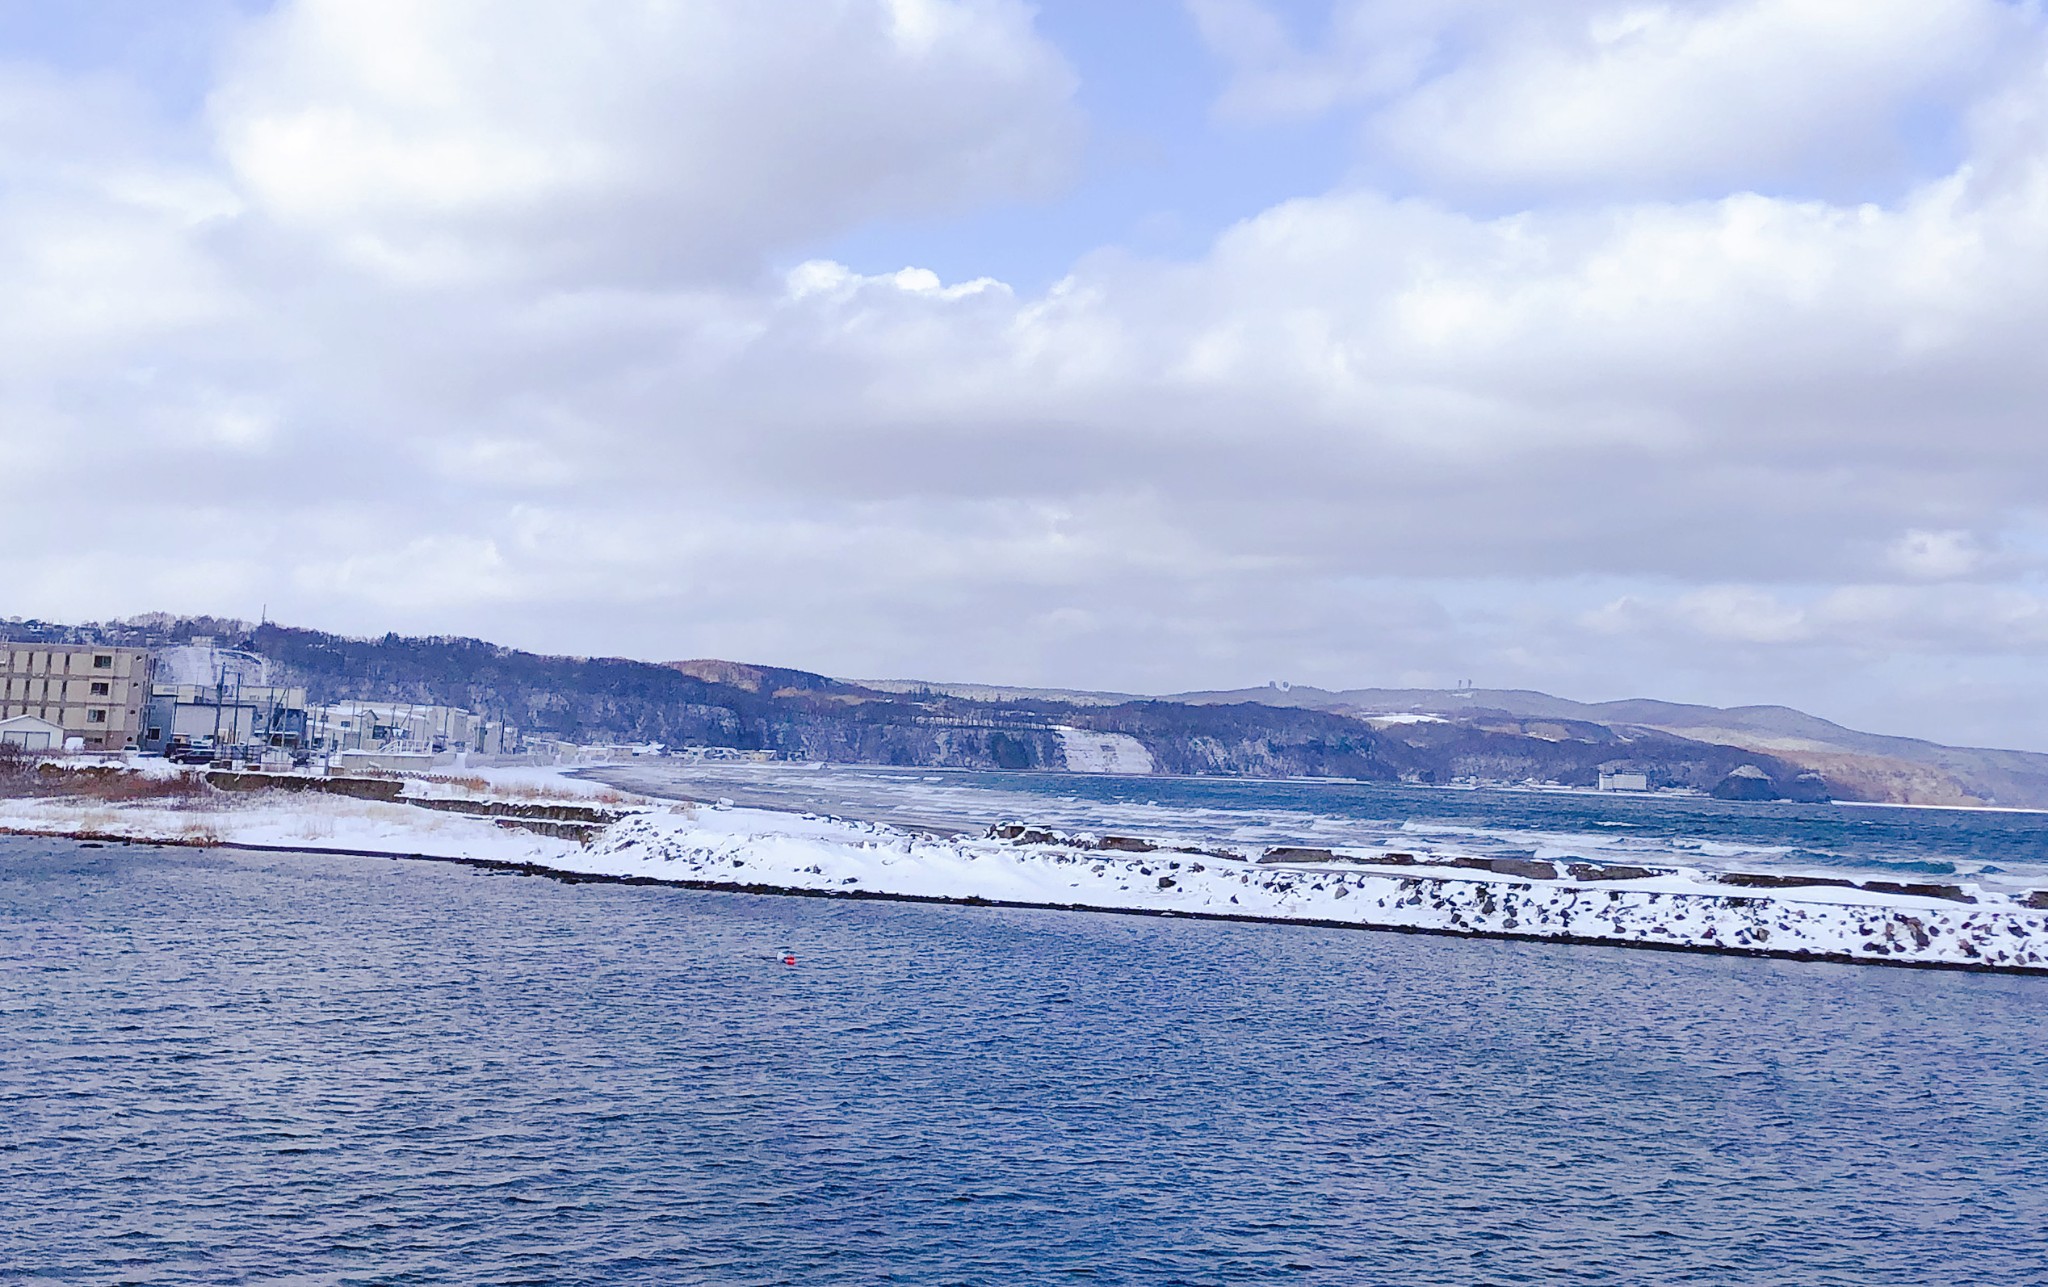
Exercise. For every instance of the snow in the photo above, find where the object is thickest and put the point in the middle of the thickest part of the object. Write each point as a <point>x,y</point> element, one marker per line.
<point>759,849</point>
<point>298,821</point>
<point>743,847</point>
<point>1091,752</point>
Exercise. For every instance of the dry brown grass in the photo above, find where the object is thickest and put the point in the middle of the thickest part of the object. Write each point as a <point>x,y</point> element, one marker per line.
<point>538,793</point>
<point>473,785</point>
<point>197,832</point>
<point>23,775</point>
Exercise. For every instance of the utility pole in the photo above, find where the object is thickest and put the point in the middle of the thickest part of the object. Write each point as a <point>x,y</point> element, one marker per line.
<point>220,690</point>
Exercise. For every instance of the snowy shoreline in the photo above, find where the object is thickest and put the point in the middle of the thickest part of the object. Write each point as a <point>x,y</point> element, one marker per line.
<point>762,851</point>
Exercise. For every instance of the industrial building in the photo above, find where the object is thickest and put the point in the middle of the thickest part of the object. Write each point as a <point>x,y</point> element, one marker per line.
<point>221,697</point>
<point>94,696</point>
<point>407,728</point>
<point>203,698</point>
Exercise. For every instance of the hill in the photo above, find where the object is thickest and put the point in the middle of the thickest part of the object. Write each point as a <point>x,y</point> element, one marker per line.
<point>1857,765</point>
<point>1375,735</point>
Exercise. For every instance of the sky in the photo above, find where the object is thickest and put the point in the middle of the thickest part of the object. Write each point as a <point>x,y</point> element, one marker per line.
<point>1686,350</point>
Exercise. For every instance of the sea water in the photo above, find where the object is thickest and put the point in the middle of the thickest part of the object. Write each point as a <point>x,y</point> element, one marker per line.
<point>2003,850</point>
<point>219,1067</point>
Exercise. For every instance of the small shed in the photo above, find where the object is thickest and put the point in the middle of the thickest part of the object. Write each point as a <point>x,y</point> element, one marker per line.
<point>31,734</point>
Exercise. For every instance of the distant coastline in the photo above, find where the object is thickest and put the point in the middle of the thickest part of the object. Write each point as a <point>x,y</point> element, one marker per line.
<point>405,701</point>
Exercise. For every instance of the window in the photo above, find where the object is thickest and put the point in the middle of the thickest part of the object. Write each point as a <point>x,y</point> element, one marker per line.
<point>95,717</point>
<point>101,688</point>
<point>154,735</point>
<point>102,663</point>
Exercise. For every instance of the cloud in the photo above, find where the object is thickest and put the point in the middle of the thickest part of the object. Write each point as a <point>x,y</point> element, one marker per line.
<point>1639,98</point>
<point>516,328</point>
<point>1622,97</point>
<point>1372,52</point>
<point>1935,556</point>
<point>1923,620</point>
<point>458,140</point>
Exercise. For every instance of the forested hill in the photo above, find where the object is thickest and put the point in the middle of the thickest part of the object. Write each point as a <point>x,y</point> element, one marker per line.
<point>806,716</point>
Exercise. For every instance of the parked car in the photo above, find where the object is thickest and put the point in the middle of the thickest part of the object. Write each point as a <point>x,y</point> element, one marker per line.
<point>190,751</point>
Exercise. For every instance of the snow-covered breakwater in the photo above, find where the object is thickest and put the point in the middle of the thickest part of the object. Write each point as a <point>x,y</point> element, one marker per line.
<point>1874,922</point>
<point>1671,907</point>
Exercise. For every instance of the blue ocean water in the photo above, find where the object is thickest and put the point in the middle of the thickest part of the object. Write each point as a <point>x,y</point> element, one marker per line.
<point>1998,849</point>
<point>238,1068</point>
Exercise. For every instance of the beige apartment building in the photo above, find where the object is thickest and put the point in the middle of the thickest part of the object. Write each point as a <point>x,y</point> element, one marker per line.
<point>96,695</point>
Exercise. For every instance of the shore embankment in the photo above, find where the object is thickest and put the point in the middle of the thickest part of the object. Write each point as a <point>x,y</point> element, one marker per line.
<point>545,823</point>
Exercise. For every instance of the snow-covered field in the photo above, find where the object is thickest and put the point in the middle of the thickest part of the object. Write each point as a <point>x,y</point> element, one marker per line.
<point>293,821</point>
<point>765,850</point>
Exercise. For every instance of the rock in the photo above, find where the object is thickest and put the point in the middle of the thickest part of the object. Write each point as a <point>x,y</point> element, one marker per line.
<point>1808,788</point>
<point>1289,853</point>
<point>1747,783</point>
<point>1587,871</point>
<point>1126,844</point>
<point>1166,882</point>
<point>1019,835</point>
<point>1759,880</point>
<point>1952,893</point>
<point>1527,868</point>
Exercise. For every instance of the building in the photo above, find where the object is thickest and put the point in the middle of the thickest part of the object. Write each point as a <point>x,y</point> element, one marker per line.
<point>406,728</point>
<point>221,697</point>
<point>1624,782</point>
<point>31,734</point>
<point>94,695</point>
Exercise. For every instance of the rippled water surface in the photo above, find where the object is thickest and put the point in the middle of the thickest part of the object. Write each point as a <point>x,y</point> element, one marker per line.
<point>2006,850</point>
<point>221,1068</point>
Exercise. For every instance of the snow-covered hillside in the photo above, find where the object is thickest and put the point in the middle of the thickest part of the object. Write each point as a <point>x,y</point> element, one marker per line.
<point>1090,752</point>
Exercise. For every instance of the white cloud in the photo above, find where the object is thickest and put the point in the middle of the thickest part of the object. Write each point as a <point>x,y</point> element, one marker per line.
<point>1631,96</point>
<point>1738,92</point>
<point>458,140</point>
<point>509,365</point>
<point>1372,51</point>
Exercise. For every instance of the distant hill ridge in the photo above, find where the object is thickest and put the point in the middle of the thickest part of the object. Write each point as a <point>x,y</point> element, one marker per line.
<point>1858,765</point>
<point>1905,770</point>
<point>1503,736</point>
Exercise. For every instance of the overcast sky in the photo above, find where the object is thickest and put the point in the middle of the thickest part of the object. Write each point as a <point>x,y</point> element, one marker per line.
<point>1691,350</point>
